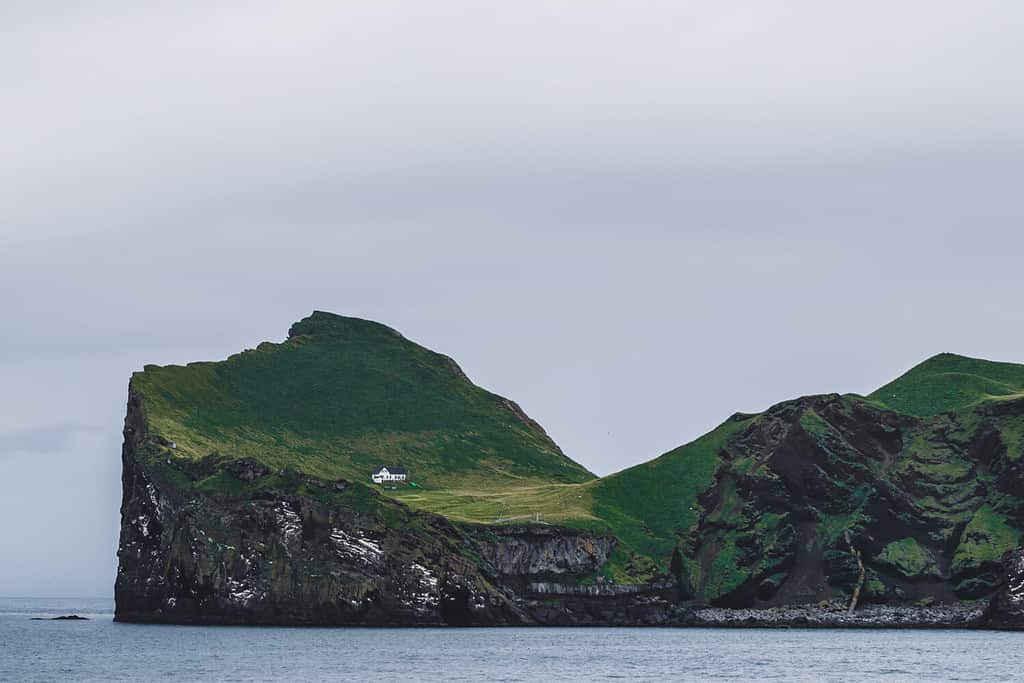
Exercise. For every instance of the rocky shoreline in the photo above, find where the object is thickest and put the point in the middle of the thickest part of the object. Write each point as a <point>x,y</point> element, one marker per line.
<point>650,610</point>
<point>955,615</point>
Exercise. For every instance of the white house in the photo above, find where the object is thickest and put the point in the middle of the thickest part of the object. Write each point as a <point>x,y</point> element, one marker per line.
<point>383,474</point>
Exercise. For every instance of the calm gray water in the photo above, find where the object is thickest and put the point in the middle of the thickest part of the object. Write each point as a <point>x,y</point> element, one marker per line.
<point>100,650</point>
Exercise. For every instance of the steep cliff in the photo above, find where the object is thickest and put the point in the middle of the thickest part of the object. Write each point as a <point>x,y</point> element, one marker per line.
<point>789,505</point>
<point>267,547</point>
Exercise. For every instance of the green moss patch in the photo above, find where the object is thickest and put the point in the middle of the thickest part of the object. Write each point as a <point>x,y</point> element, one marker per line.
<point>984,541</point>
<point>908,558</point>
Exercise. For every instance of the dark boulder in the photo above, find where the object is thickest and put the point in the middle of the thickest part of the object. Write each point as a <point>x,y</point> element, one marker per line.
<point>1006,611</point>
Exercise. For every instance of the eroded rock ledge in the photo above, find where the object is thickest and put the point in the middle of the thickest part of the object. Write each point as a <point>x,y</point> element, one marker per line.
<point>532,550</point>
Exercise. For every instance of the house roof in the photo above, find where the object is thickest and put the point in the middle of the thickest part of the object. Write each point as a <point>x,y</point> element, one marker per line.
<point>392,470</point>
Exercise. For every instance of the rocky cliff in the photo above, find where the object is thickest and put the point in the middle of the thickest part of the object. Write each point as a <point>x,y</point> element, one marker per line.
<point>1006,610</point>
<point>828,497</point>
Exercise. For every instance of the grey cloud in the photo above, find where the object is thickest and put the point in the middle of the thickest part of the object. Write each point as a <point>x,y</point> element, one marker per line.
<point>49,439</point>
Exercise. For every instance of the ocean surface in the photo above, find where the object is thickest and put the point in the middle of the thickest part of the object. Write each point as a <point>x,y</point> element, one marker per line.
<point>100,650</point>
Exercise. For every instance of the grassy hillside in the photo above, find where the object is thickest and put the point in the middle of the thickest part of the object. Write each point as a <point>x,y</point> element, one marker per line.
<point>949,382</point>
<point>655,504</point>
<point>342,395</point>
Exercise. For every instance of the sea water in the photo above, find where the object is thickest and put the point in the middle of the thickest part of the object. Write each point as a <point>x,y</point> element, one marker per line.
<point>101,650</point>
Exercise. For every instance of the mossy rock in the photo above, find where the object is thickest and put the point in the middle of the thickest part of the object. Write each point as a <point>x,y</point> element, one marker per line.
<point>984,541</point>
<point>909,559</point>
<point>976,587</point>
<point>840,568</point>
<point>874,587</point>
<point>768,586</point>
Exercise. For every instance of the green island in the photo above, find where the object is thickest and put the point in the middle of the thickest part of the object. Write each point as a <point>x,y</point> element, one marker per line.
<point>921,479</point>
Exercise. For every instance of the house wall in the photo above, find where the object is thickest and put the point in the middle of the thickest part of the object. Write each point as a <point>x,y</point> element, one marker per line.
<point>381,478</point>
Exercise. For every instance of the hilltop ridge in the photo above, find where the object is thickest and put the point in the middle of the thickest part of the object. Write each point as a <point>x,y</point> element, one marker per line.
<point>947,382</point>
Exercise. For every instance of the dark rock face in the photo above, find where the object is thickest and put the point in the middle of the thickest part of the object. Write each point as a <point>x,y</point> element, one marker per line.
<point>597,590</point>
<point>538,550</point>
<point>287,559</point>
<point>246,469</point>
<point>928,504</point>
<point>1006,610</point>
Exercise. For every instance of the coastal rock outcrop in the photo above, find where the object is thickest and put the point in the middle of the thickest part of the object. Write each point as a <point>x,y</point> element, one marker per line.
<point>280,548</point>
<point>542,550</point>
<point>1006,610</point>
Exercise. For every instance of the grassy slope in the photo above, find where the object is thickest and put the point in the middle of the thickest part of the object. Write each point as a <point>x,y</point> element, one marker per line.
<point>948,382</point>
<point>485,502</point>
<point>342,395</point>
<point>652,504</point>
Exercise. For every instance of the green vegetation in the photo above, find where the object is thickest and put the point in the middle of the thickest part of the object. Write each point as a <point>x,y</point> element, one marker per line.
<point>832,527</point>
<point>726,572</point>
<point>653,505</point>
<point>909,558</point>
<point>342,395</point>
<point>814,424</point>
<point>984,541</point>
<point>1011,432</point>
<point>934,462</point>
<point>874,588</point>
<point>487,502</point>
<point>949,382</point>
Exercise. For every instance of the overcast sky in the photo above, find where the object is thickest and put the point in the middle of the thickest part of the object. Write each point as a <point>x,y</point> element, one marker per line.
<point>632,218</point>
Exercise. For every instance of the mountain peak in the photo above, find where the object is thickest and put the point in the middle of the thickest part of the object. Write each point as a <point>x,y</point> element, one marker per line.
<point>949,381</point>
<point>325,324</point>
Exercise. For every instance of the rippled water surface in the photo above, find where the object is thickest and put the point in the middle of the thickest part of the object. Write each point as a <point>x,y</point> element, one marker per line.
<point>100,650</point>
